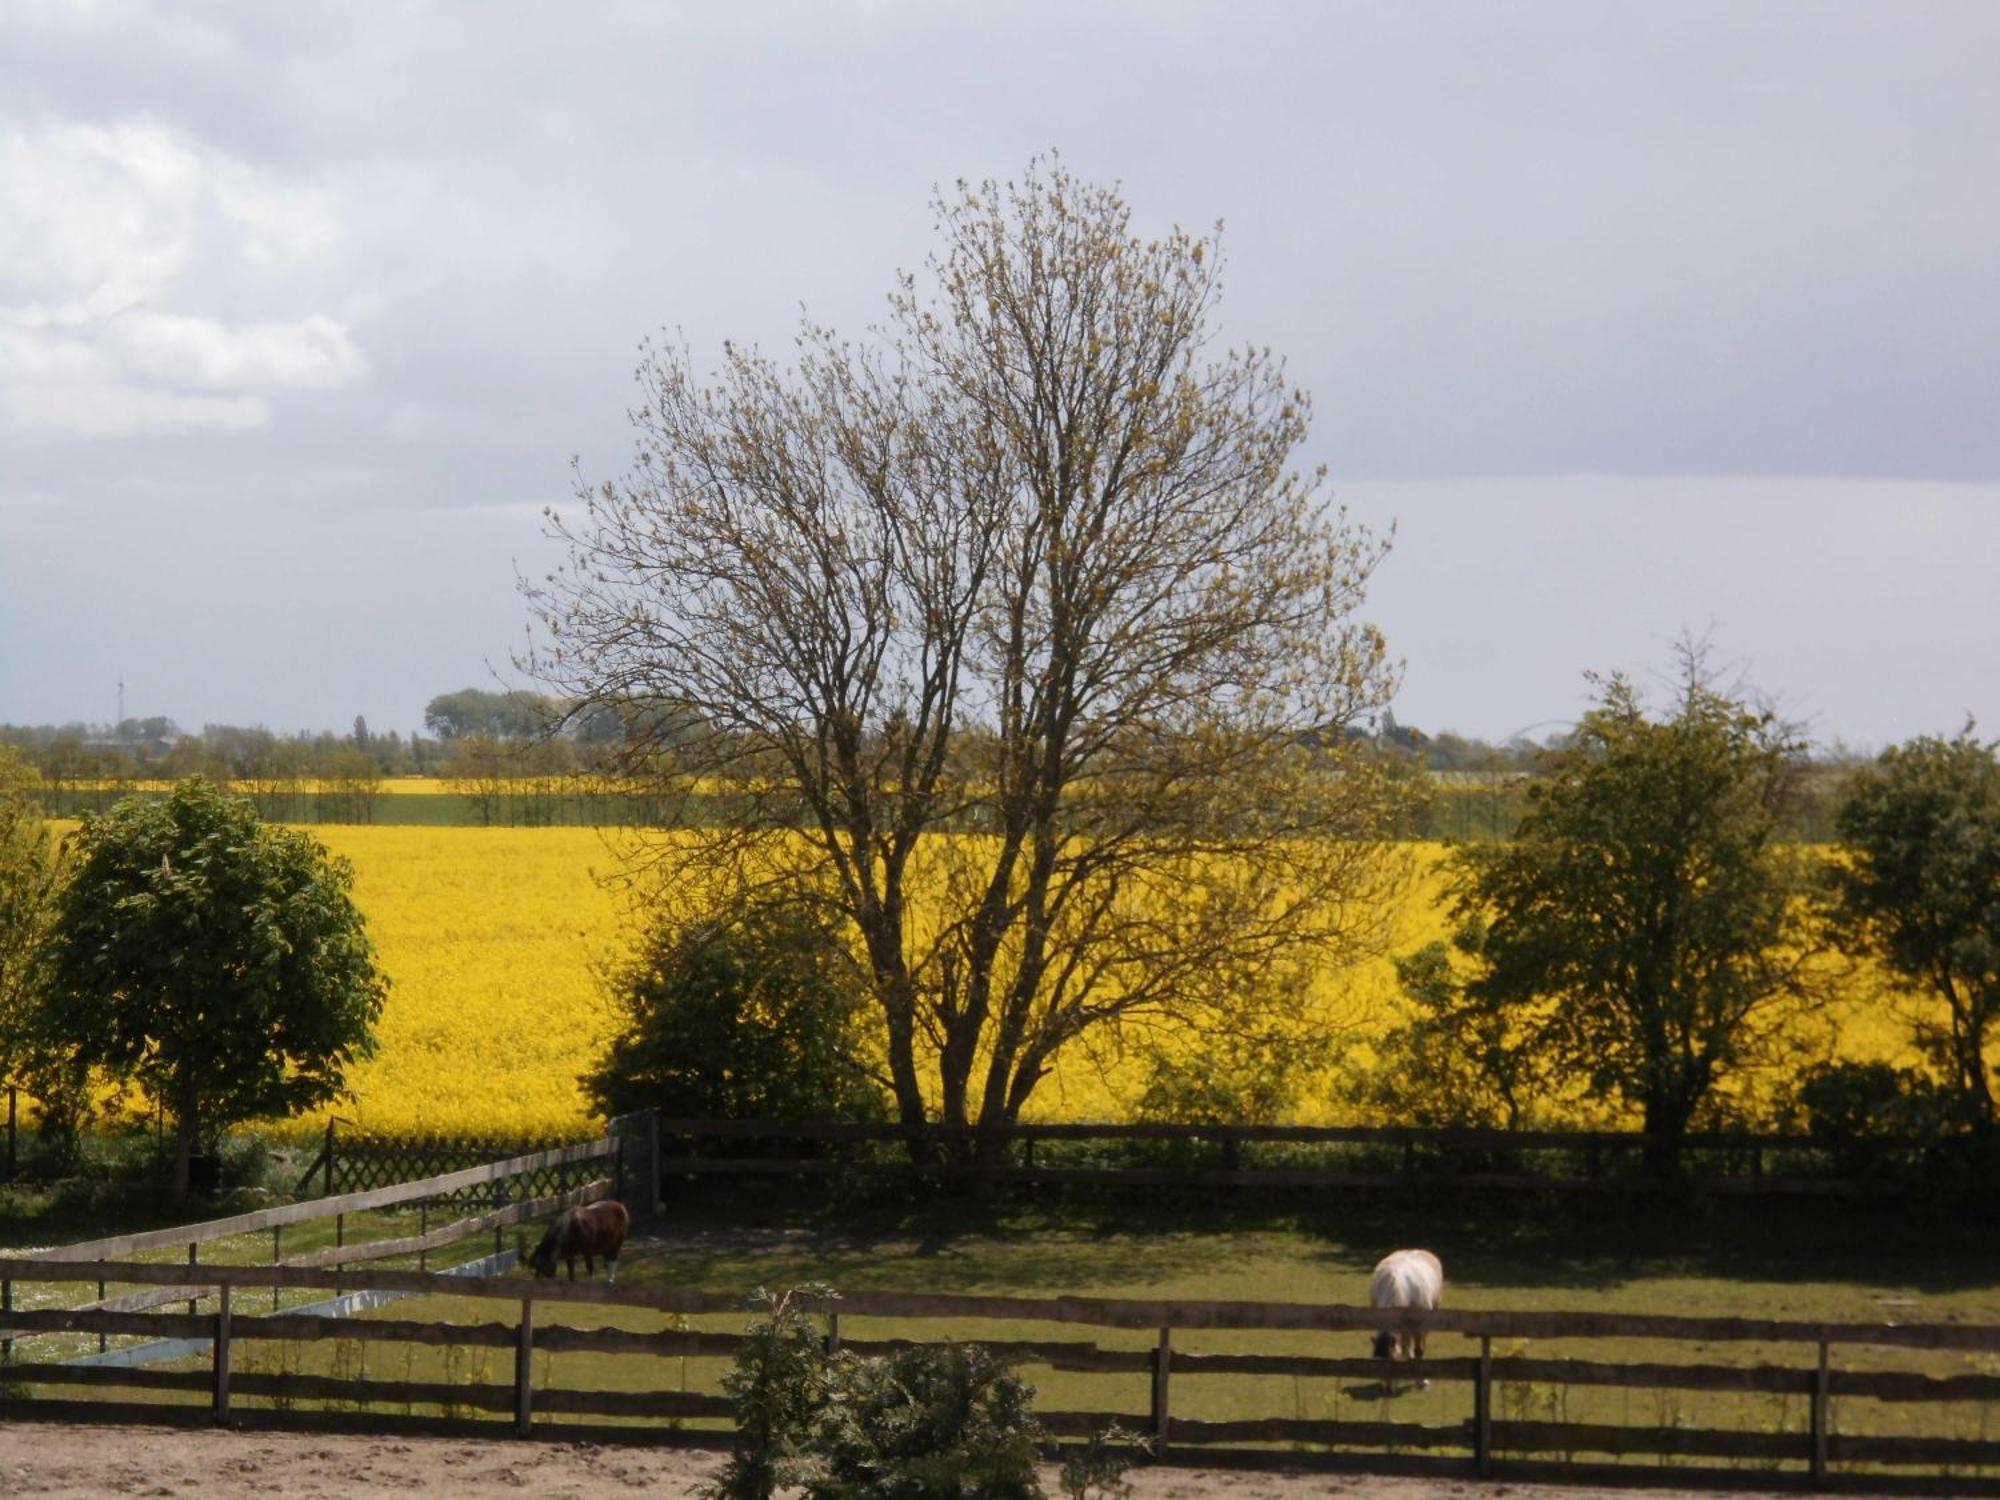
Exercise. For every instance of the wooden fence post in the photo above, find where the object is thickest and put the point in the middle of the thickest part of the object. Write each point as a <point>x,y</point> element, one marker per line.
<point>194,1302</point>
<point>1821,1385</point>
<point>1163,1365</point>
<point>1482,1411</point>
<point>277,1255</point>
<point>326,1184</point>
<point>524,1368</point>
<point>6,1306</point>
<point>423,1228</point>
<point>13,1110</point>
<point>221,1366</point>
<point>833,1333</point>
<point>103,1338</point>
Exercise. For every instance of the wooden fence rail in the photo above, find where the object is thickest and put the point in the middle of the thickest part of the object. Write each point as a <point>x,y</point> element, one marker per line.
<point>1482,1443</point>
<point>184,1286</point>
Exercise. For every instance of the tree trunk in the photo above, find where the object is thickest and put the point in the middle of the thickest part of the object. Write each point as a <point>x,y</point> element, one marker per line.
<point>1665,1124</point>
<point>187,1124</point>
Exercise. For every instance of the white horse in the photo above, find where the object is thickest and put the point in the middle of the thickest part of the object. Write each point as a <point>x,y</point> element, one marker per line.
<point>1405,1278</point>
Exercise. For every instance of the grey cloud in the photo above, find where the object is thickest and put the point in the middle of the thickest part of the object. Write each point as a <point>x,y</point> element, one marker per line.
<point>425,240</point>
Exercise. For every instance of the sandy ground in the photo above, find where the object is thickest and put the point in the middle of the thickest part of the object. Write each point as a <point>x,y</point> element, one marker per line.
<point>46,1459</point>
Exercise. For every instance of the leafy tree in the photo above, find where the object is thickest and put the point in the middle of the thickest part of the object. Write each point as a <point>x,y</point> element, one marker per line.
<point>1919,892</point>
<point>760,1018</point>
<point>216,959</point>
<point>1451,1062</point>
<point>516,715</point>
<point>1017,639</point>
<point>30,879</point>
<point>1253,1076</point>
<point>1643,933</point>
<point>1847,1100</point>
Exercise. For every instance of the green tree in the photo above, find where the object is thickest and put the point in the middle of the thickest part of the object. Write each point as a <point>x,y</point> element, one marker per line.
<point>217,960</point>
<point>515,715</point>
<point>1644,933</point>
<point>1015,636</point>
<point>1452,1063</point>
<point>761,1018</point>
<point>30,880</point>
<point>1919,891</point>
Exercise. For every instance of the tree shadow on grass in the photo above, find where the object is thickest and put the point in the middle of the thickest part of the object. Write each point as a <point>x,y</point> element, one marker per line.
<point>1068,1243</point>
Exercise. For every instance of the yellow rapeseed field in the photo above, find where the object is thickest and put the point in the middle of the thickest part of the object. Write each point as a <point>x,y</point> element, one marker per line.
<point>492,937</point>
<point>495,938</point>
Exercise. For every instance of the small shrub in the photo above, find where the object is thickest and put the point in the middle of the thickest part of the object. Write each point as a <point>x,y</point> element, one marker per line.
<point>1098,1467</point>
<point>944,1422</point>
<point>779,1384</point>
<point>941,1422</point>
<point>1849,1101</point>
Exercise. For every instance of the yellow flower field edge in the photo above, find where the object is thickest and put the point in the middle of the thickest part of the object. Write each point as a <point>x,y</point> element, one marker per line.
<point>496,940</point>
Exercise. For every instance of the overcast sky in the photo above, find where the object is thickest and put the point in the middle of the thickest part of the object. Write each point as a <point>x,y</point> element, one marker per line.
<point>1632,318</point>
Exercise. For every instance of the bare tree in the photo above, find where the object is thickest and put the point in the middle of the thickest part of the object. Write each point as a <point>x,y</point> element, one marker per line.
<point>1012,638</point>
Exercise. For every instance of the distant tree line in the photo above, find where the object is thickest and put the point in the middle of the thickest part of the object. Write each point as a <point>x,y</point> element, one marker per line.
<point>509,754</point>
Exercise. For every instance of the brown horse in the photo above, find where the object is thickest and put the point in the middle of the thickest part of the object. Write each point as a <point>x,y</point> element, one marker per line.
<point>597,1229</point>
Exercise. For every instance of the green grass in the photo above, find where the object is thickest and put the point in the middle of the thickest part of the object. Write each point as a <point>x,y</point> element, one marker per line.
<point>1821,1265</point>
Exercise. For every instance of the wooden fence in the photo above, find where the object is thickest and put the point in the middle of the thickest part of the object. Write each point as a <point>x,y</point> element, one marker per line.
<point>188,1287</point>
<point>1813,1454</point>
<point>1251,1156</point>
<point>351,1161</point>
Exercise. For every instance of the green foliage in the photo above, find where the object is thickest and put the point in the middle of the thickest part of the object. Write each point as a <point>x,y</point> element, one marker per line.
<point>1453,1062</point>
<point>779,1383</point>
<point>514,715</point>
<point>1920,893</point>
<point>939,1422</point>
<point>30,879</point>
<point>216,960</point>
<point>1250,1076</point>
<point>760,1018</point>
<point>1852,1101</point>
<point>1097,1468</point>
<point>1642,934</point>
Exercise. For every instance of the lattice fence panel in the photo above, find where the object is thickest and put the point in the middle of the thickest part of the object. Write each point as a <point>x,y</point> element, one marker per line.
<point>362,1162</point>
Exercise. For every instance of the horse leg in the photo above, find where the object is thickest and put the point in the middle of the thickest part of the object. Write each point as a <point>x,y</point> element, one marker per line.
<point>589,1265</point>
<point>611,1268</point>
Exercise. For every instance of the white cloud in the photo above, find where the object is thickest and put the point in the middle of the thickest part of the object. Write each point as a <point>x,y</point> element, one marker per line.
<point>112,233</point>
<point>119,410</point>
<point>312,354</point>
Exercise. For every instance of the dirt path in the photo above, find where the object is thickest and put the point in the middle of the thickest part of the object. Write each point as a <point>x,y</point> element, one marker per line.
<point>45,1459</point>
